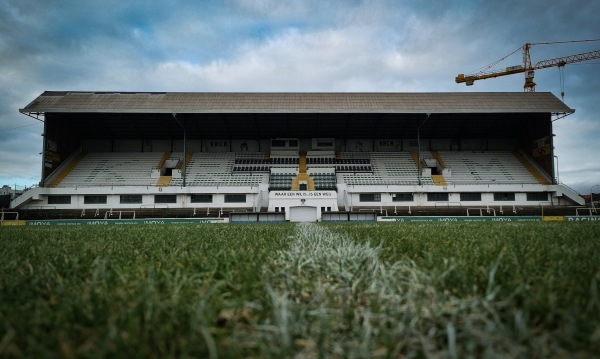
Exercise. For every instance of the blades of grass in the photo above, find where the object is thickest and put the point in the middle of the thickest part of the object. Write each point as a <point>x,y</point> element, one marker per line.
<point>451,334</point>
<point>210,342</point>
<point>491,290</point>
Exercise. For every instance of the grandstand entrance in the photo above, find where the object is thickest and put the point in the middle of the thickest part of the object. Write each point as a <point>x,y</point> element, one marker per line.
<point>303,214</point>
<point>168,166</point>
<point>303,206</point>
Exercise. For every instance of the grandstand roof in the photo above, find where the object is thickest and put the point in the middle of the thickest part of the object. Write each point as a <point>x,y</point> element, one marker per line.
<point>295,102</point>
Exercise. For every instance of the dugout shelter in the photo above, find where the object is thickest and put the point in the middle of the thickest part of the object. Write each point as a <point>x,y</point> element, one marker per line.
<point>294,156</point>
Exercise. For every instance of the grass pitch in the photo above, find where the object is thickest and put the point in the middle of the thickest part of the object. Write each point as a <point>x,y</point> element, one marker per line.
<point>363,290</point>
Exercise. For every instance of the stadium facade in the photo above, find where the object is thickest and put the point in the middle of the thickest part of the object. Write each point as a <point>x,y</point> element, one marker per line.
<point>294,156</point>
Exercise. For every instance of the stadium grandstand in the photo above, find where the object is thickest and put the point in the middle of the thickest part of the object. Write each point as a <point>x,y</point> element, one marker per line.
<point>295,156</point>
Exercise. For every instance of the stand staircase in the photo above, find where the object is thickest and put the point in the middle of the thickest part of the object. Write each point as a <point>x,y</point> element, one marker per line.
<point>534,171</point>
<point>439,180</point>
<point>302,175</point>
<point>65,172</point>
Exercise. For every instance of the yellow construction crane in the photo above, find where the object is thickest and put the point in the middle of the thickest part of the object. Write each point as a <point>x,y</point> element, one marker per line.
<point>527,67</point>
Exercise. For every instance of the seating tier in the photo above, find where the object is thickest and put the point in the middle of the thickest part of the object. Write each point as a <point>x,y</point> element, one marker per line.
<point>216,169</point>
<point>113,169</point>
<point>388,168</point>
<point>499,167</point>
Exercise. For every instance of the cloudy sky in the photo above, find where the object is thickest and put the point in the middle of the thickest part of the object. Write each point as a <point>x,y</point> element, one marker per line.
<point>291,45</point>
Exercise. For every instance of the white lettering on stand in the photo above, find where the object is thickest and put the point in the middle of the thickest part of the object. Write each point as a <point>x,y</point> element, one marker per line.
<point>302,194</point>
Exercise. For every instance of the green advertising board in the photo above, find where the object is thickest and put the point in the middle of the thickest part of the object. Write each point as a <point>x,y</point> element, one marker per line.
<point>100,222</point>
<point>582,219</point>
<point>166,221</point>
<point>461,219</point>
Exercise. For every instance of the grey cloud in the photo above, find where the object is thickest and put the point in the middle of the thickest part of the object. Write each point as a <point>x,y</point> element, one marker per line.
<point>263,45</point>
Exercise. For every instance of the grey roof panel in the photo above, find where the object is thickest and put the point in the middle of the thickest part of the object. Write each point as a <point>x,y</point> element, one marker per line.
<point>325,102</point>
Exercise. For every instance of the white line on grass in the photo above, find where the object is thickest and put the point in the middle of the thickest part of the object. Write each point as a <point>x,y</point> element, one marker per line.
<point>333,296</point>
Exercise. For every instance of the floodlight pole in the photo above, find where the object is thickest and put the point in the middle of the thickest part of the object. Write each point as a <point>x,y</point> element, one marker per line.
<point>592,196</point>
<point>419,146</point>
<point>184,147</point>
<point>557,174</point>
<point>43,153</point>
<point>554,169</point>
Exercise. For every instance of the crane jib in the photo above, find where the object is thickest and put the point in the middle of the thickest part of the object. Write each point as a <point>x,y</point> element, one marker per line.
<point>527,67</point>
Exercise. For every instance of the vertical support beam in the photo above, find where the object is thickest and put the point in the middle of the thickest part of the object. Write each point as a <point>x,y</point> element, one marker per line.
<point>184,156</point>
<point>552,156</point>
<point>419,146</point>
<point>42,174</point>
<point>43,153</point>
<point>184,147</point>
<point>556,168</point>
<point>419,153</point>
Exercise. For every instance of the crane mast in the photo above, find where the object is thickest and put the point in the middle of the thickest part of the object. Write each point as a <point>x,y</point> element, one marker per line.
<point>529,84</point>
<point>527,68</point>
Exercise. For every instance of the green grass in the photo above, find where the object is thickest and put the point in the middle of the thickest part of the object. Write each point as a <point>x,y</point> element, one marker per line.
<point>426,290</point>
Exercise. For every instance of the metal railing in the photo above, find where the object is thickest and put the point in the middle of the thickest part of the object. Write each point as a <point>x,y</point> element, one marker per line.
<point>590,210</point>
<point>514,209</point>
<point>488,211</point>
<point>447,204</point>
<point>96,213</point>
<point>111,212</point>
<point>3,216</point>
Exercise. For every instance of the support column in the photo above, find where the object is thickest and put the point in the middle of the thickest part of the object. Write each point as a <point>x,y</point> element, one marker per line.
<point>184,147</point>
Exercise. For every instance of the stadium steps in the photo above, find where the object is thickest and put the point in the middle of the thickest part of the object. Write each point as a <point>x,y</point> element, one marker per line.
<point>437,156</point>
<point>188,157</point>
<point>441,182</point>
<point>438,180</point>
<point>310,182</point>
<point>164,158</point>
<point>302,175</point>
<point>164,181</point>
<point>416,158</point>
<point>302,163</point>
<point>534,172</point>
<point>67,169</point>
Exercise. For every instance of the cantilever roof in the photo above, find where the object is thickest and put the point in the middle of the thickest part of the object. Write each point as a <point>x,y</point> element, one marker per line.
<point>296,102</point>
